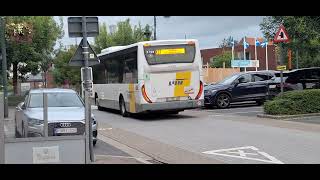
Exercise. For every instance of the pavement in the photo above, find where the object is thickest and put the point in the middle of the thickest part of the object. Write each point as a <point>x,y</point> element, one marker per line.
<point>215,136</point>
<point>106,151</point>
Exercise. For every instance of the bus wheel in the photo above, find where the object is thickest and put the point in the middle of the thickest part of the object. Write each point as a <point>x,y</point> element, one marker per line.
<point>123,110</point>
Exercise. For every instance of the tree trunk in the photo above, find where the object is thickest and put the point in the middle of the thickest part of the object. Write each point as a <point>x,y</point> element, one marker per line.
<point>15,78</point>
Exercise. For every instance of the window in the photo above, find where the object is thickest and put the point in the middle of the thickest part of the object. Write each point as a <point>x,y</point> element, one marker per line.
<point>245,78</point>
<point>117,68</point>
<point>248,57</point>
<point>55,100</point>
<point>170,54</point>
<point>261,77</point>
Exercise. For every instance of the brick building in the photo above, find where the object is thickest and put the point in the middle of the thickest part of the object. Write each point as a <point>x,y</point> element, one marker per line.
<point>208,54</point>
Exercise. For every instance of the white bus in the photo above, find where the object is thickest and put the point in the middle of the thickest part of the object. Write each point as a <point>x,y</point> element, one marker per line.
<point>162,75</point>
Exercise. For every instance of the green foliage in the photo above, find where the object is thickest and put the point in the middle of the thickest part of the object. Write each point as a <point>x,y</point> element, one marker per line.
<point>227,42</point>
<point>124,35</point>
<point>304,32</point>
<point>294,102</point>
<point>217,61</point>
<point>33,57</point>
<point>62,70</point>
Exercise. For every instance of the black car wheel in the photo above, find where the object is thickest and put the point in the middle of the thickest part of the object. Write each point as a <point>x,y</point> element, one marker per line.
<point>123,110</point>
<point>223,100</point>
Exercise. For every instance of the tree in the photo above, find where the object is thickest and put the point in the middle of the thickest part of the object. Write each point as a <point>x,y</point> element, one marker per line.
<point>304,32</point>
<point>62,71</point>
<point>124,35</point>
<point>227,42</point>
<point>37,43</point>
<point>225,57</point>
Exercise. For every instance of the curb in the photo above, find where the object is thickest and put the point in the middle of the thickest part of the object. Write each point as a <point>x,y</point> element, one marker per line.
<point>287,116</point>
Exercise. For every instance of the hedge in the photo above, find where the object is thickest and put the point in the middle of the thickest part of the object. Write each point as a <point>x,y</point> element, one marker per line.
<point>294,102</point>
<point>15,100</point>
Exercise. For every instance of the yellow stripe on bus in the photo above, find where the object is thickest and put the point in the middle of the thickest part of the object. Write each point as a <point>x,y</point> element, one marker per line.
<point>132,99</point>
<point>185,77</point>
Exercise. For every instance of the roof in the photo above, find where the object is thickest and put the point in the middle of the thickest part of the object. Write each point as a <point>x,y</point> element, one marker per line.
<point>52,90</point>
<point>156,42</point>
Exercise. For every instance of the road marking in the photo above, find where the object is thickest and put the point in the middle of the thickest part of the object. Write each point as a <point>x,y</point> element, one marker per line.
<point>103,129</point>
<point>243,155</point>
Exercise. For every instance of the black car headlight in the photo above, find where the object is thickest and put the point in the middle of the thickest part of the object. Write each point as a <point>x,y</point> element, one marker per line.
<point>210,92</point>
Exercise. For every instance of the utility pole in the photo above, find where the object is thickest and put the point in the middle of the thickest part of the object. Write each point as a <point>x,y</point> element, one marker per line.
<point>4,65</point>
<point>155,27</point>
<point>86,93</point>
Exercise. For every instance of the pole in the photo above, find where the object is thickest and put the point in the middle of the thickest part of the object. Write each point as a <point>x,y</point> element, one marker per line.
<point>281,84</point>
<point>255,52</point>
<point>267,65</point>
<point>232,53</point>
<point>4,66</point>
<point>244,52</point>
<point>89,145</point>
<point>2,148</point>
<point>155,27</point>
<point>289,59</point>
<point>45,114</point>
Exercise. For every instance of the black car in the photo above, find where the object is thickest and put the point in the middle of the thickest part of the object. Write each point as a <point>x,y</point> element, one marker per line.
<point>298,79</point>
<point>248,86</point>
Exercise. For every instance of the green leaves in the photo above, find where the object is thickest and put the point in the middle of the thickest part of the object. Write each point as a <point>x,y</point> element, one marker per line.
<point>123,35</point>
<point>225,57</point>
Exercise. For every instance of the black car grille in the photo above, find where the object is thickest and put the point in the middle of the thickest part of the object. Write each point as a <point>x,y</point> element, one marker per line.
<point>79,125</point>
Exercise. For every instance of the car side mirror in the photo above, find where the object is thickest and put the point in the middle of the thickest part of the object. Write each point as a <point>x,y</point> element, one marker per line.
<point>23,106</point>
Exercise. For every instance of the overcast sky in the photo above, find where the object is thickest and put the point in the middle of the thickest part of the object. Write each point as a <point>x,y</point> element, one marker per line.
<point>209,30</point>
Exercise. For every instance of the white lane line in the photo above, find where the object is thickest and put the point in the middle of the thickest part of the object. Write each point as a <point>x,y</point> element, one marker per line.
<point>243,155</point>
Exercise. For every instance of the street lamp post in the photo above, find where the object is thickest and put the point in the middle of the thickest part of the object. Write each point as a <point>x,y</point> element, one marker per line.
<point>4,64</point>
<point>155,26</point>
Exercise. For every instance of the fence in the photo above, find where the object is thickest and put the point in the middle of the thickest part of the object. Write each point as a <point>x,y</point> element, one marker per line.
<point>213,75</point>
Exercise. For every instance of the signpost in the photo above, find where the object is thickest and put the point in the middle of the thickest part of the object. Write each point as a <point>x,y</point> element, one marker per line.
<point>85,27</point>
<point>282,37</point>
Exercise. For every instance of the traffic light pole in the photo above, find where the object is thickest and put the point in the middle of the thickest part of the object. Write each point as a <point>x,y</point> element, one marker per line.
<point>4,66</point>
<point>88,121</point>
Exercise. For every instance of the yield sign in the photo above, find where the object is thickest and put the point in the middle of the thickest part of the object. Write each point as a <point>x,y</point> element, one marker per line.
<point>281,35</point>
<point>247,152</point>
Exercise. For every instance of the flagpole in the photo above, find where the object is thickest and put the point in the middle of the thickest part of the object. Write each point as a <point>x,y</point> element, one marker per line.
<point>267,68</point>
<point>255,51</point>
<point>244,52</point>
<point>232,52</point>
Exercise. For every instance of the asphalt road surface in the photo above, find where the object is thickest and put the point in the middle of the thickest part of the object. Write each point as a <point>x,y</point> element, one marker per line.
<point>233,135</point>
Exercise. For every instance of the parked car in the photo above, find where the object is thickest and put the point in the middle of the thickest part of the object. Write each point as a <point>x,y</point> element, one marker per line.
<point>65,114</point>
<point>298,79</point>
<point>248,86</point>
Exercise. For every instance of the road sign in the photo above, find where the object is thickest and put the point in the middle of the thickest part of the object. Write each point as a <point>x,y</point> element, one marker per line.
<point>281,68</point>
<point>75,26</point>
<point>244,63</point>
<point>281,35</point>
<point>77,59</point>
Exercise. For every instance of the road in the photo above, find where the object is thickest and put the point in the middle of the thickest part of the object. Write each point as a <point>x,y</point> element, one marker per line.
<point>232,135</point>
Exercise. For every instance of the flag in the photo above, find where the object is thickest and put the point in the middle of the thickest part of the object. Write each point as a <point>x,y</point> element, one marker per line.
<point>245,44</point>
<point>257,43</point>
<point>264,44</point>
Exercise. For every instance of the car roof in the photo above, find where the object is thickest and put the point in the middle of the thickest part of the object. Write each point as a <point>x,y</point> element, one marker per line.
<point>52,90</point>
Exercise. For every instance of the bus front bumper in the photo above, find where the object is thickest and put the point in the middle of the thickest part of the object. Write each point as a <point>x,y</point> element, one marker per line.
<point>171,106</point>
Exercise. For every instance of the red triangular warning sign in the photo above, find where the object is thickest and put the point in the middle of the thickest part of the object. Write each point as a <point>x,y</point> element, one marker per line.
<point>281,35</point>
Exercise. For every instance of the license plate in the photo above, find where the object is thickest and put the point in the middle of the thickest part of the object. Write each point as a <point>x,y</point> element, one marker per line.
<point>65,130</point>
<point>272,86</point>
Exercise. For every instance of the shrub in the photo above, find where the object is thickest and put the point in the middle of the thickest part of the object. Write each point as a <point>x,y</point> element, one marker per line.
<point>294,102</point>
<point>15,100</point>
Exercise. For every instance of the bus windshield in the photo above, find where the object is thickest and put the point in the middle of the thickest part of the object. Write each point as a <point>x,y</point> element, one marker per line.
<point>166,54</point>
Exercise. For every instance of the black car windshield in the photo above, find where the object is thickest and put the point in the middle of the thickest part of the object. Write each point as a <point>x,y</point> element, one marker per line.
<point>55,100</point>
<point>229,80</point>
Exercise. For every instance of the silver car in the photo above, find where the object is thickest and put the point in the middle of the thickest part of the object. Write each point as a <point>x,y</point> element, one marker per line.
<point>65,114</point>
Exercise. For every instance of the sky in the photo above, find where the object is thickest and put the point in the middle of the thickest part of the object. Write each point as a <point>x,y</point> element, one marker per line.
<point>209,30</point>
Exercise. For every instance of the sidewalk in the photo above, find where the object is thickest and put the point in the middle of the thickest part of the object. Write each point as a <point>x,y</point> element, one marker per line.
<point>106,150</point>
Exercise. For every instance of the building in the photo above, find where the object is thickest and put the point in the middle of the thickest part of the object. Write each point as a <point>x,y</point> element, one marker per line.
<point>208,54</point>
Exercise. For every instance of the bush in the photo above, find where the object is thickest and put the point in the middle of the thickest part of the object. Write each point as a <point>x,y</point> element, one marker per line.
<point>15,100</point>
<point>294,102</point>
